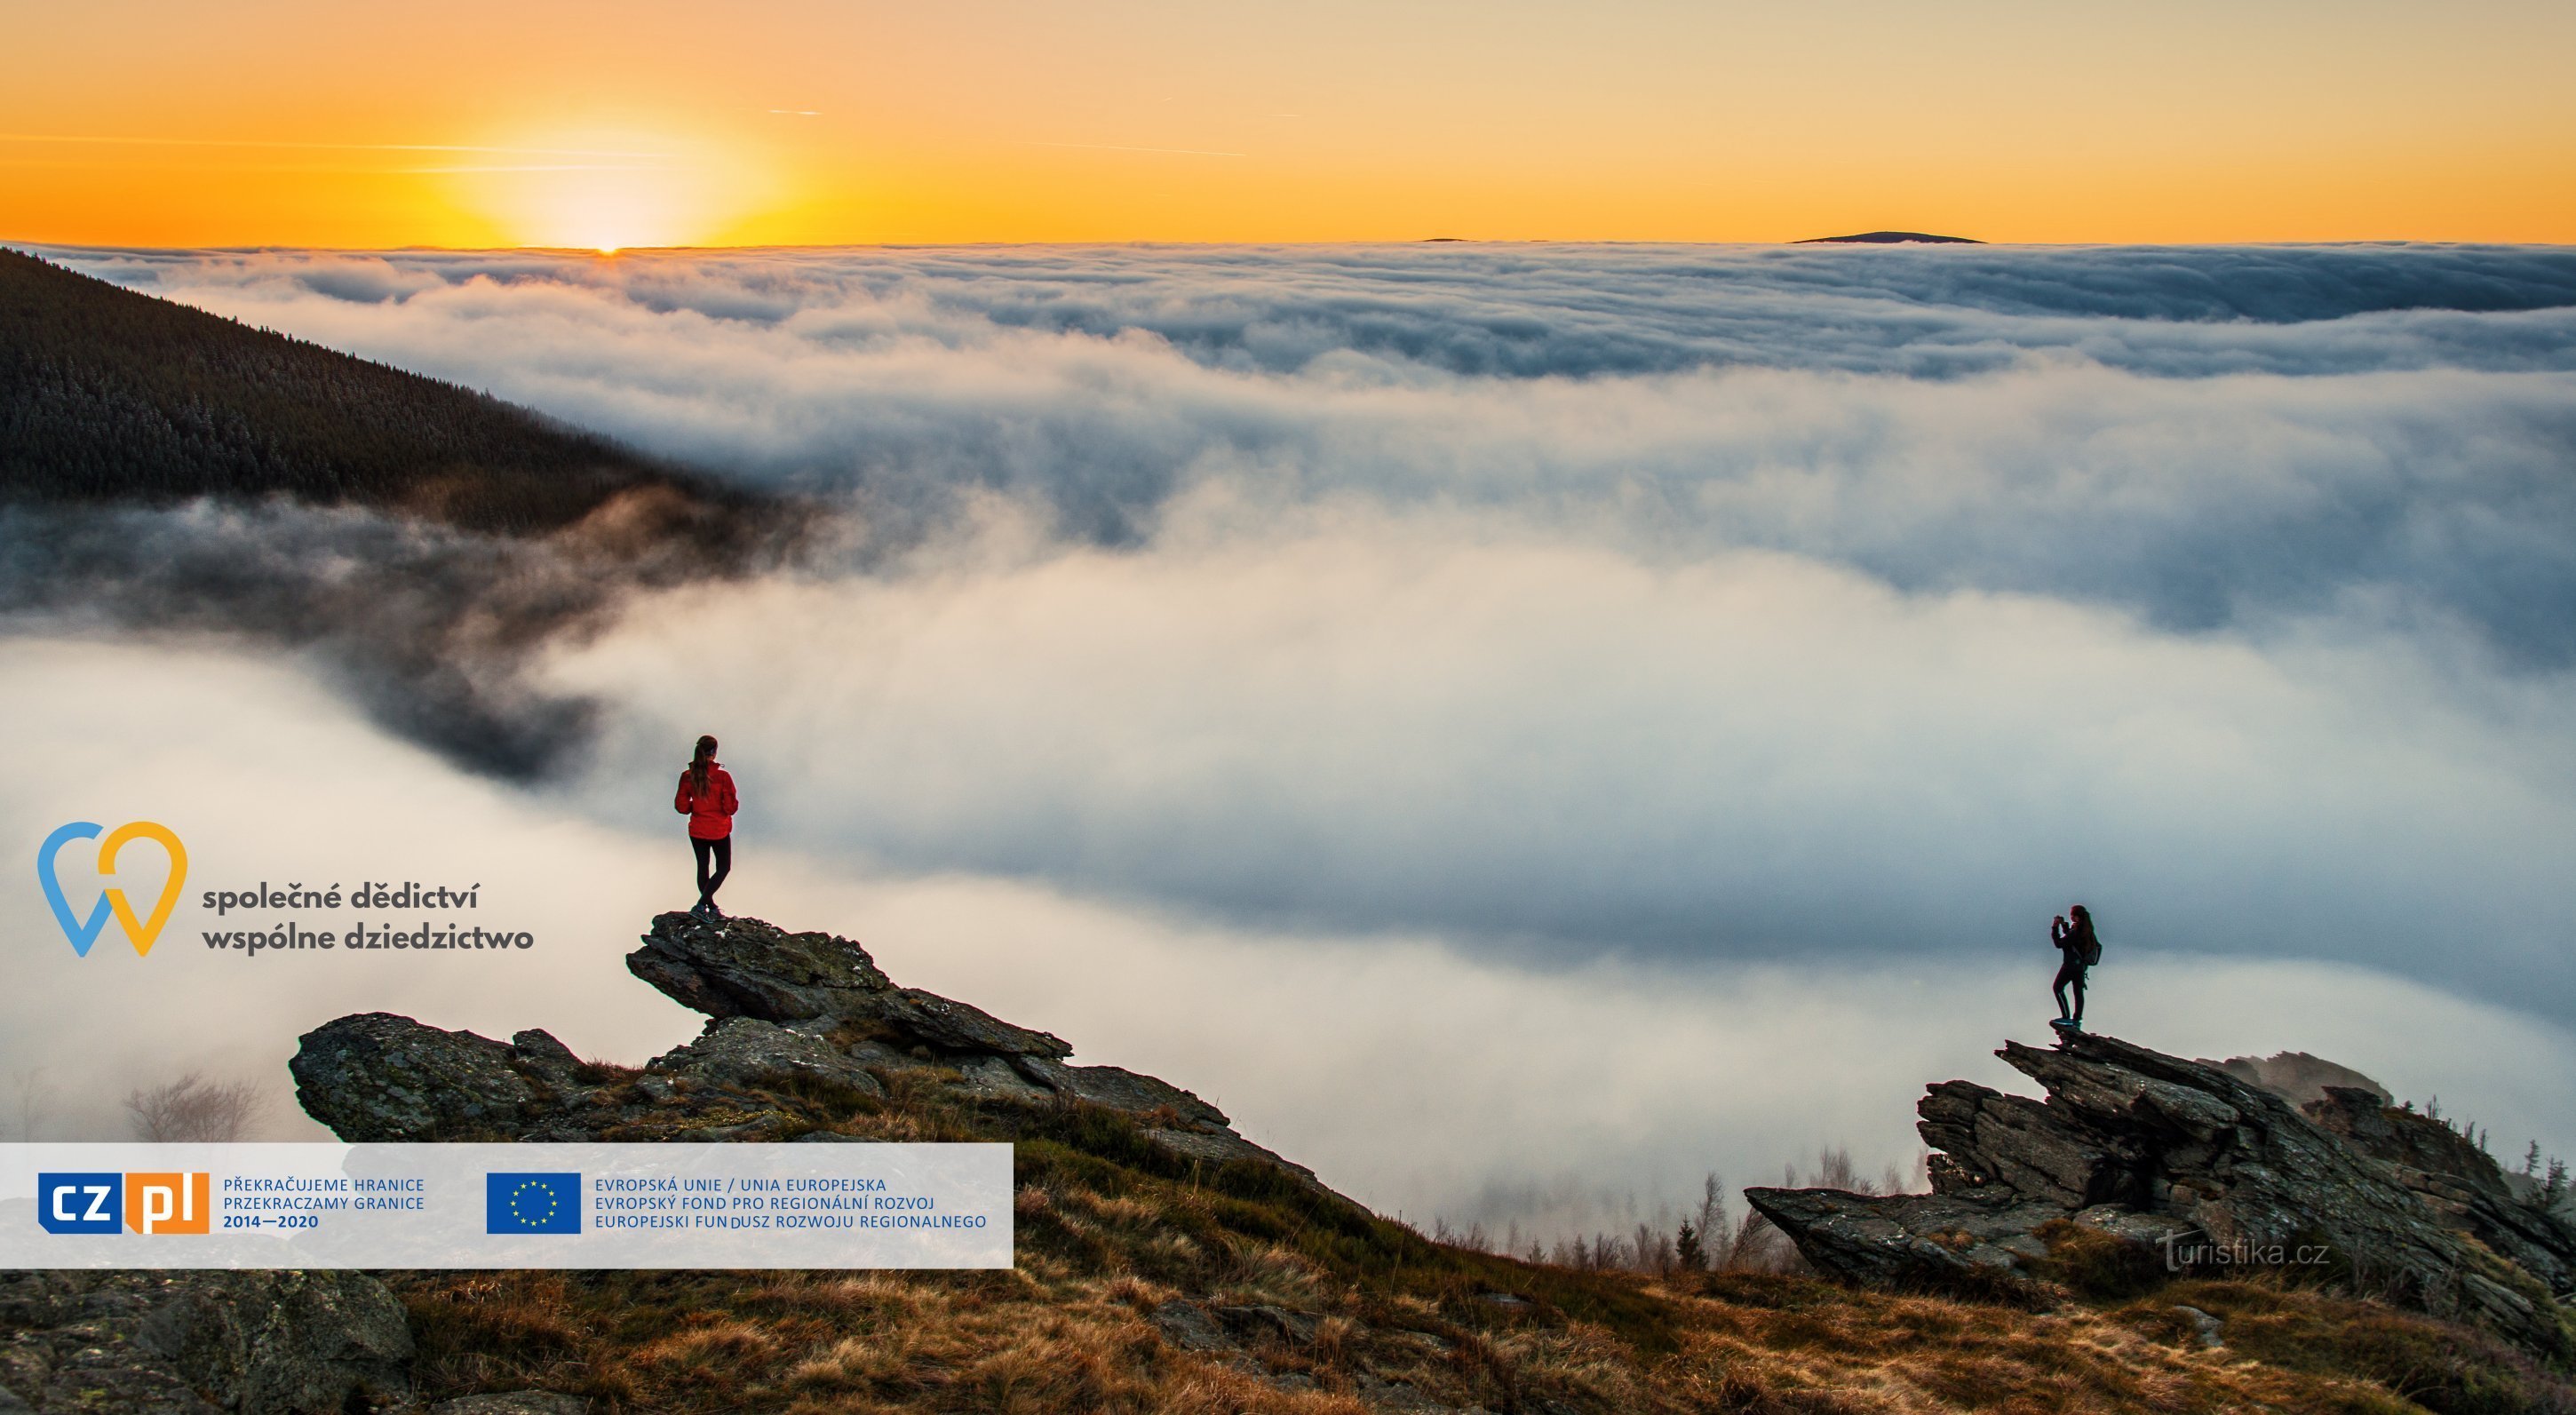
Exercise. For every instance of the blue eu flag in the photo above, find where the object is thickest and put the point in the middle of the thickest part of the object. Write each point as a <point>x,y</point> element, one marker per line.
<point>531,1203</point>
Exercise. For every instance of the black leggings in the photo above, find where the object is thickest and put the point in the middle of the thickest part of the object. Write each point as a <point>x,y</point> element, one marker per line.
<point>2068,972</point>
<point>722,850</point>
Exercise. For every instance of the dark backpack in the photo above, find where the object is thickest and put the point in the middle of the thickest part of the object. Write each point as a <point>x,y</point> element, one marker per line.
<point>2092,950</point>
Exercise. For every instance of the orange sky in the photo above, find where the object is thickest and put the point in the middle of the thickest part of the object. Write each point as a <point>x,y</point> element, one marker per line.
<point>817,121</point>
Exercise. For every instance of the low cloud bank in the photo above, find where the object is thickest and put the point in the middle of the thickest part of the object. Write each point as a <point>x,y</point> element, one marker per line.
<point>1670,607</point>
<point>2425,485</point>
<point>1409,1071</point>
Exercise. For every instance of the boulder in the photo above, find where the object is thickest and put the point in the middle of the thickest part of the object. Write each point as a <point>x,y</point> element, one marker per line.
<point>744,967</point>
<point>735,1050</point>
<point>2165,1151</point>
<point>550,1061</point>
<point>378,1076</point>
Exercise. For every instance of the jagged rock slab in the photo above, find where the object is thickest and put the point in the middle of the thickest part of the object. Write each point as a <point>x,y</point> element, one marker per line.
<point>1121,1089</point>
<point>378,1076</point>
<point>258,1343</point>
<point>733,1051</point>
<point>2141,1143</point>
<point>1224,1146</point>
<point>1906,1239</point>
<point>743,967</point>
<point>944,1024</point>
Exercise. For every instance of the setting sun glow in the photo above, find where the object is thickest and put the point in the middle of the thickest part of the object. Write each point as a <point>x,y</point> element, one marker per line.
<point>612,191</point>
<point>296,122</point>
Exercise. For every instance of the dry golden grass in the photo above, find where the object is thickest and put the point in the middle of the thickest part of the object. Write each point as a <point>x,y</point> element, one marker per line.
<point>1110,1226</point>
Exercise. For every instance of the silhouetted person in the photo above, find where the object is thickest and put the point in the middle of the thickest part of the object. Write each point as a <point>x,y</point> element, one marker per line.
<point>706,798</point>
<point>2078,949</point>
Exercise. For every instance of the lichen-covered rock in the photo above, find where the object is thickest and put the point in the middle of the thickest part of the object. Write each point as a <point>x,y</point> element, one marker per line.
<point>733,1051</point>
<point>744,967</point>
<point>251,1343</point>
<point>378,1076</point>
<point>2157,1148</point>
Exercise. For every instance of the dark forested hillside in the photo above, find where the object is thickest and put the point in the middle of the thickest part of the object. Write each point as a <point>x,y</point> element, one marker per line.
<point>172,472</point>
<point>107,395</point>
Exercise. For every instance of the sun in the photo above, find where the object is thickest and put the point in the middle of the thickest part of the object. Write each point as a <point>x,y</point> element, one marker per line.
<point>612,191</point>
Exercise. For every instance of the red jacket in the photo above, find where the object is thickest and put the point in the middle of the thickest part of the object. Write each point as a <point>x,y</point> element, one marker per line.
<point>711,815</point>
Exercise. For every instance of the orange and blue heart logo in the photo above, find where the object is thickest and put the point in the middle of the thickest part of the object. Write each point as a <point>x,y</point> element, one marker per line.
<point>84,931</point>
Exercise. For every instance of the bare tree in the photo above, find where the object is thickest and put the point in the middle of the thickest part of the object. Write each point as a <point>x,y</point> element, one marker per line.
<point>194,1108</point>
<point>32,1092</point>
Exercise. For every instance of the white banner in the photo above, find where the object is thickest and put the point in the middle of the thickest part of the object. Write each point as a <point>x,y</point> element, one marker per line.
<point>505,1206</point>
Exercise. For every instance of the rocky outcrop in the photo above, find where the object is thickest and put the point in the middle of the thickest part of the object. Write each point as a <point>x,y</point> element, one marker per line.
<point>743,967</point>
<point>2456,1178</point>
<point>194,1343</point>
<point>2180,1156</point>
<point>781,1006</point>
<point>379,1076</point>
<point>740,1051</point>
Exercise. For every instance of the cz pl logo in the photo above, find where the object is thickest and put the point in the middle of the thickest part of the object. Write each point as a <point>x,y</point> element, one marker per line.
<point>84,931</point>
<point>174,1202</point>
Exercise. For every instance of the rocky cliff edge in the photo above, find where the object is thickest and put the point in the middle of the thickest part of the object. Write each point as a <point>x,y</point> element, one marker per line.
<point>783,1008</point>
<point>2200,1171</point>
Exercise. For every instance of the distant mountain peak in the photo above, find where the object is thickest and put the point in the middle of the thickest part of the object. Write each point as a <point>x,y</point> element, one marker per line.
<point>1889,238</point>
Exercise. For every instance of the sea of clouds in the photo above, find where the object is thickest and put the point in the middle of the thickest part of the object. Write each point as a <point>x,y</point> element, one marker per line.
<point>1511,718</point>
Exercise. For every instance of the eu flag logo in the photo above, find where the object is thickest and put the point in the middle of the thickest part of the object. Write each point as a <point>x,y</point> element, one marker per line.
<point>531,1203</point>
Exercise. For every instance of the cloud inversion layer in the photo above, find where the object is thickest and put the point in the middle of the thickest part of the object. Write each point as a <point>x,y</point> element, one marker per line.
<point>1731,603</point>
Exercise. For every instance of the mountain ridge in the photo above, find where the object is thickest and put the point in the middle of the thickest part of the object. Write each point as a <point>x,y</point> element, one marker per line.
<point>1163,1262</point>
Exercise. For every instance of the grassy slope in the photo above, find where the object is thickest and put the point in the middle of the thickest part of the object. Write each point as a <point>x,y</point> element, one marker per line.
<point>1111,1225</point>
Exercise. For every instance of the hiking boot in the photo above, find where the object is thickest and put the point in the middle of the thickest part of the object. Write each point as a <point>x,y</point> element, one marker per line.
<point>713,914</point>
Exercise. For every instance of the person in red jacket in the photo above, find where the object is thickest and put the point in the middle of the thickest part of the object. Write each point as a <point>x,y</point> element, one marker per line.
<point>706,798</point>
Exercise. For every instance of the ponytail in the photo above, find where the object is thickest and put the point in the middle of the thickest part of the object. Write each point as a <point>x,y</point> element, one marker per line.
<point>698,764</point>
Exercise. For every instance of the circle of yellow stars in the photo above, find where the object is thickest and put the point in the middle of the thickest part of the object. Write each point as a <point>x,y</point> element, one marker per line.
<point>552,1202</point>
